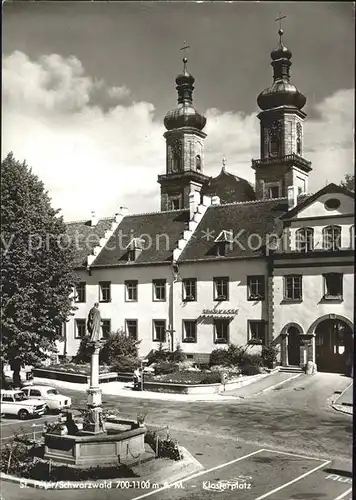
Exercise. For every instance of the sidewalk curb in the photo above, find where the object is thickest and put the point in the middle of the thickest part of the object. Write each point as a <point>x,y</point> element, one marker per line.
<point>175,471</point>
<point>281,383</point>
<point>343,409</point>
<point>343,392</point>
<point>270,387</point>
<point>157,396</point>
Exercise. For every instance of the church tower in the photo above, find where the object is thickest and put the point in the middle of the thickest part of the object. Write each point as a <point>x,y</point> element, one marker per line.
<point>281,167</point>
<point>184,148</point>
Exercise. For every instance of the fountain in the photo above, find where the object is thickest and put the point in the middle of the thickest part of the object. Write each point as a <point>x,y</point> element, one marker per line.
<point>94,445</point>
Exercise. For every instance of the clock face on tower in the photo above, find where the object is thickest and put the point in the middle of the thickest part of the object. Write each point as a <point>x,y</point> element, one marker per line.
<point>176,148</point>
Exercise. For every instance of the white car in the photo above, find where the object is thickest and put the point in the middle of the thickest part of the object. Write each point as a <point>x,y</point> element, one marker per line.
<point>53,399</point>
<point>18,404</point>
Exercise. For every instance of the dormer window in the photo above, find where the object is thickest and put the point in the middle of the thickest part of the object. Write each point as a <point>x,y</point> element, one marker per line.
<point>224,239</point>
<point>134,248</point>
<point>131,257</point>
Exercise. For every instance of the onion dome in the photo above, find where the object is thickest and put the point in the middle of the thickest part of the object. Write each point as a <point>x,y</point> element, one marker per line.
<point>281,92</point>
<point>228,187</point>
<point>185,115</point>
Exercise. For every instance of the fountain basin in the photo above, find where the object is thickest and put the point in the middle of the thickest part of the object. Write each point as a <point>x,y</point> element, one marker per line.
<point>89,450</point>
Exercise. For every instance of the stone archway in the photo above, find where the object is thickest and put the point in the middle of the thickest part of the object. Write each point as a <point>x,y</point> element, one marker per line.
<point>290,344</point>
<point>333,344</point>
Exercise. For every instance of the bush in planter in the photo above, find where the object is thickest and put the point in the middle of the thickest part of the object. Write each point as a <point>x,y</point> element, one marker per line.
<point>165,367</point>
<point>236,354</point>
<point>251,359</point>
<point>219,357</point>
<point>248,369</point>
<point>117,344</point>
<point>269,356</point>
<point>178,356</point>
<point>165,448</point>
<point>159,355</point>
<point>211,378</point>
<point>187,366</point>
<point>126,364</point>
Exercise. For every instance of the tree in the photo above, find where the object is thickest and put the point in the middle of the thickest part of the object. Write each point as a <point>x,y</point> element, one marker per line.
<point>348,182</point>
<point>37,269</point>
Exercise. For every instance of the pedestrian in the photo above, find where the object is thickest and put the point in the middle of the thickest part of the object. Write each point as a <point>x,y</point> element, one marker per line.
<point>137,378</point>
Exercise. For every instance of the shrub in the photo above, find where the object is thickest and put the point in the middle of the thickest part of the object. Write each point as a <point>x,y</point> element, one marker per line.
<point>248,369</point>
<point>211,378</point>
<point>126,364</point>
<point>178,356</point>
<point>236,354</point>
<point>251,359</point>
<point>165,367</point>
<point>165,448</point>
<point>269,356</point>
<point>219,357</point>
<point>85,351</point>
<point>118,343</point>
<point>187,366</point>
<point>159,355</point>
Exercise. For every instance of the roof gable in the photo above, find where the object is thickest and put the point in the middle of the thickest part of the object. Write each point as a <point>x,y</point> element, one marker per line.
<point>84,237</point>
<point>314,205</point>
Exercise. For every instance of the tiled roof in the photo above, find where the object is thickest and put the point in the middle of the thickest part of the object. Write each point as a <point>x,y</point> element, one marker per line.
<point>85,237</point>
<point>243,219</point>
<point>160,231</point>
<point>229,188</point>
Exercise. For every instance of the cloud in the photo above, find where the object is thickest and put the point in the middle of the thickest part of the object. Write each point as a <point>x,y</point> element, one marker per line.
<point>95,149</point>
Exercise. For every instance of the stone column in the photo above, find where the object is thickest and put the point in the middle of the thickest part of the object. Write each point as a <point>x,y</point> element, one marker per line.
<point>93,422</point>
<point>284,349</point>
<point>311,348</point>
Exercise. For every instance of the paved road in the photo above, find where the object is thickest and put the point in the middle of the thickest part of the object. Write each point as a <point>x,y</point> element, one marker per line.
<point>296,418</point>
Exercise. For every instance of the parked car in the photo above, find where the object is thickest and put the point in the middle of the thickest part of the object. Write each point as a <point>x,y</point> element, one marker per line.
<point>53,399</point>
<point>16,403</point>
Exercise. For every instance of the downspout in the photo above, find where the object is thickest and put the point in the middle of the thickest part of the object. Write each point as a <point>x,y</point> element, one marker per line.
<point>171,304</point>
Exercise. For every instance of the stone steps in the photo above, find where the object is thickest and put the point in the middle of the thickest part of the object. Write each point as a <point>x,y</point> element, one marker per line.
<point>291,369</point>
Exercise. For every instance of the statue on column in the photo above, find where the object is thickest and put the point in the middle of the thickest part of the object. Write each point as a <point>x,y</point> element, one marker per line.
<point>94,323</point>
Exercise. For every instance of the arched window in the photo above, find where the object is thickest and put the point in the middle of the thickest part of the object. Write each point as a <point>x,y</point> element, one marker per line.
<point>275,141</point>
<point>332,238</point>
<point>304,239</point>
<point>198,162</point>
<point>176,148</point>
<point>299,139</point>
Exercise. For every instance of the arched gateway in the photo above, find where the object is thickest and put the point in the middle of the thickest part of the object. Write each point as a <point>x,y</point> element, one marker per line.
<point>334,345</point>
<point>328,342</point>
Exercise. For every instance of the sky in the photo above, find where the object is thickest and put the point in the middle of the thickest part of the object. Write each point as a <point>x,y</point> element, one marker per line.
<point>86,87</point>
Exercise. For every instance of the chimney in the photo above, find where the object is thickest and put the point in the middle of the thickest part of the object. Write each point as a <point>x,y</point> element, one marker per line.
<point>215,200</point>
<point>292,197</point>
<point>194,200</point>
<point>93,219</point>
<point>123,211</point>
